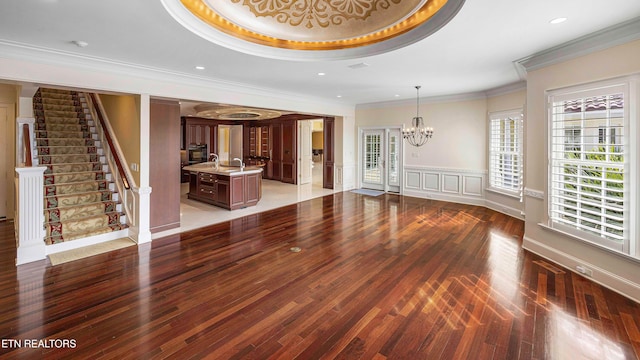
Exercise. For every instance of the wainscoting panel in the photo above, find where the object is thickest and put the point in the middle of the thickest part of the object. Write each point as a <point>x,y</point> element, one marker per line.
<point>455,185</point>
<point>412,179</point>
<point>431,181</point>
<point>472,185</point>
<point>450,183</point>
<point>345,177</point>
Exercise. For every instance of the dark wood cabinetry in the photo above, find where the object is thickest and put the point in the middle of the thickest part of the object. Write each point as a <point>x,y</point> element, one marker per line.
<point>210,188</point>
<point>229,192</point>
<point>199,131</point>
<point>328,160</point>
<point>164,167</point>
<point>275,163</point>
<point>289,152</point>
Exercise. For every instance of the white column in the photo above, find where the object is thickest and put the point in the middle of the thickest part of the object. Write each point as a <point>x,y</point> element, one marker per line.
<point>345,161</point>
<point>30,214</point>
<point>144,192</point>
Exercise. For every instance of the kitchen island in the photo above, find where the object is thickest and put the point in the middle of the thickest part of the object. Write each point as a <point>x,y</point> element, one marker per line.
<point>229,187</point>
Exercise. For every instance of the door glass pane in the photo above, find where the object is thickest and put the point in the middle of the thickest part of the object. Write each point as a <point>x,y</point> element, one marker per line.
<point>393,159</point>
<point>372,152</point>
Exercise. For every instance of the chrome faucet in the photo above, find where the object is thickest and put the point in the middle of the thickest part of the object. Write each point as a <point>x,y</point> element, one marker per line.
<point>241,163</point>
<point>214,158</point>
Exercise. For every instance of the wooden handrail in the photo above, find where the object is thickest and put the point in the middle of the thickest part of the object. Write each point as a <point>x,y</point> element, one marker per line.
<point>107,135</point>
<point>26,139</point>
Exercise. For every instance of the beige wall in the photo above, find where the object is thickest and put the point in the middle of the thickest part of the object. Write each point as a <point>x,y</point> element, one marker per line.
<point>616,271</point>
<point>124,115</point>
<point>459,140</point>
<point>8,99</point>
<point>317,140</point>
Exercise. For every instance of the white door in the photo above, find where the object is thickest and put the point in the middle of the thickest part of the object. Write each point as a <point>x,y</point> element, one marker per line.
<point>4,151</point>
<point>373,159</point>
<point>394,139</point>
<point>305,155</point>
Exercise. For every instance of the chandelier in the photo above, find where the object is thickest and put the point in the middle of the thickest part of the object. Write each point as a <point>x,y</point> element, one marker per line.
<point>418,134</point>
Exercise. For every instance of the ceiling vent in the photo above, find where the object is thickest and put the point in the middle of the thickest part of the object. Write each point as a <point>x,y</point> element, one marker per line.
<point>358,65</point>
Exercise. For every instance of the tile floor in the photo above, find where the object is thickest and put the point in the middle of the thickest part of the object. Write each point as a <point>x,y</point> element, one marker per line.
<point>195,214</point>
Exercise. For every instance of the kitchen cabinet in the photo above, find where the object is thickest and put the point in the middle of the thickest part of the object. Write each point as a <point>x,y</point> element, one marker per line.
<point>275,161</point>
<point>199,132</point>
<point>289,152</point>
<point>210,188</point>
<point>237,190</point>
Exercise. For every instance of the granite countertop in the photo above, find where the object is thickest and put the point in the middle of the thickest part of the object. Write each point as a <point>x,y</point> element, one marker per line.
<point>208,167</point>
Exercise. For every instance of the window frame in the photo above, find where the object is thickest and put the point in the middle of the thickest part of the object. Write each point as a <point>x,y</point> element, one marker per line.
<point>495,150</point>
<point>629,245</point>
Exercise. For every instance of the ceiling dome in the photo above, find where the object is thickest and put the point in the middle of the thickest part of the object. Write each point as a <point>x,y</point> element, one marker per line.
<point>313,29</point>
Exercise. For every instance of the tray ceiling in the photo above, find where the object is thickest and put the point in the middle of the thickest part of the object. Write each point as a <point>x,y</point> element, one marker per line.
<point>313,29</point>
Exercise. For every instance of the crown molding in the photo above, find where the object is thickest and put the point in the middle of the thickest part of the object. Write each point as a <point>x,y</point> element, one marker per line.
<point>47,56</point>
<point>609,37</point>
<point>506,89</point>
<point>425,100</point>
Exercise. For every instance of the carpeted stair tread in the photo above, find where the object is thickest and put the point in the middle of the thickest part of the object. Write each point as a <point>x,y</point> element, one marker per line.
<point>79,200</point>
<point>40,134</point>
<point>66,150</point>
<point>64,178</point>
<point>61,127</point>
<point>76,187</point>
<point>62,120</point>
<point>73,167</point>
<point>79,211</point>
<point>64,142</point>
<point>61,201</point>
<point>83,224</point>
<point>79,235</point>
<point>64,106</point>
<point>68,159</point>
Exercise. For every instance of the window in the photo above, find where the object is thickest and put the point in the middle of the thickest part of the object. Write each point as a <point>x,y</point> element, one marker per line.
<point>505,151</point>
<point>590,165</point>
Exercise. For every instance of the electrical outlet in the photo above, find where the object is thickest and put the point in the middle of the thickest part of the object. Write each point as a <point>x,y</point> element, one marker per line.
<point>584,270</point>
<point>134,166</point>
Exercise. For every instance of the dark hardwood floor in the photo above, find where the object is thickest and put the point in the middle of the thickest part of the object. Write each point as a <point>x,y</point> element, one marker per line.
<point>383,277</point>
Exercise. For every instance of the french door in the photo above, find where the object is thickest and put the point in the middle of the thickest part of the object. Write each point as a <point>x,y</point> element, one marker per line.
<point>381,159</point>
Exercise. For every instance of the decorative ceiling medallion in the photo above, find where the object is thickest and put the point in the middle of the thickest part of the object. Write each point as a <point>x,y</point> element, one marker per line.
<point>313,13</point>
<point>313,29</point>
<point>225,112</point>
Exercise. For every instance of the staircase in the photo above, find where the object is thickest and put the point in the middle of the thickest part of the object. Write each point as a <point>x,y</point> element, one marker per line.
<point>80,201</point>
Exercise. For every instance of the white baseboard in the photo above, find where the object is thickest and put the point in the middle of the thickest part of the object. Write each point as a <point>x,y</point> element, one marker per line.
<point>92,240</point>
<point>507,210</point>
<point>444,197</point>
<point>600,276</point>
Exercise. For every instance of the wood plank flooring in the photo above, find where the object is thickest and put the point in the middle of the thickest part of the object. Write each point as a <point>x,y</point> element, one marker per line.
<point>384,277</point>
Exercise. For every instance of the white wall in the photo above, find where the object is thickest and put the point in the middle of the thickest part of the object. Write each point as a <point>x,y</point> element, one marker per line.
<point>459,141</point>
<point>452,165</point>
<point>610,269</point>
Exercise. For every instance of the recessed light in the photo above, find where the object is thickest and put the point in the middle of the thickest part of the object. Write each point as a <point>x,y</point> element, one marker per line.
<point>321,74</point>
<point>396,95</point>
<point>199,67</point>
<point>339,96</point>
<point>558,20</point>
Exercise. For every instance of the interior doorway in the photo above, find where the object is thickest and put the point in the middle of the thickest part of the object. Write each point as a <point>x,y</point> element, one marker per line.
<point>310,152</point>
<point>381,159</point>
